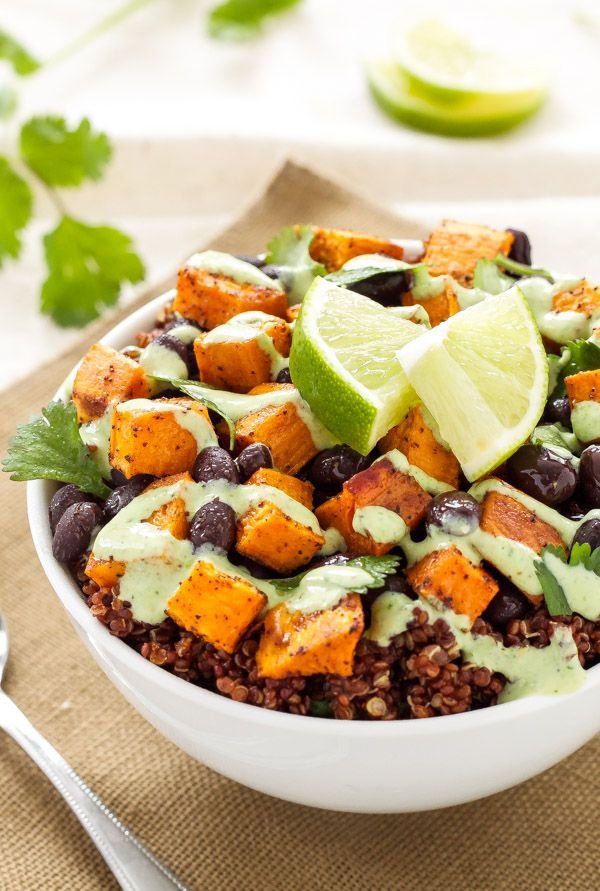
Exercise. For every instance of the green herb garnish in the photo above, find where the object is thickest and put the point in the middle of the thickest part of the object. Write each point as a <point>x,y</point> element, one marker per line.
<point>244,19</point>
<point>49,447</point>
<point>61,155</point>
<point>556,437</point>
<point>198,392</point>
<point>581,555</point>
<point>23,63</point>
<point>556,601</point>
<point>16,201</point>
<point>522,269</point>
<point>377,567</point>
<point>290,250</point>
<point>346,277</point>
<point>487,277</point>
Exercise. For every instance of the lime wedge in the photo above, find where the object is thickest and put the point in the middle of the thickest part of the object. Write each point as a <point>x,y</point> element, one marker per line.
<point>409,101</point>
<point>483,375</point>
<point>343,363</point>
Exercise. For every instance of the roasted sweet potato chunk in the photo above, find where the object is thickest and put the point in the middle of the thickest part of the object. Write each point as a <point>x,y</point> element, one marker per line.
<point>450,577</point>
<point>242,364</point>
<point>584,298</point>
<point>266,534</point>
<point>380,485</point>
<point>216,606</point>
<point>211,299</point>
<point>105,573</point>
<point>438,308</point>
<point>293,312</point>
<point>455,248</point>
<point>583,386</point>
<point>297,489</point>
<point>105,377</point>
<point>414,438</point>
<point>150,439</point>
<point>296,643</point>
<point>171,516</point>
<point>281,428</point>
<point>503,515</point>
<point>333,247</point>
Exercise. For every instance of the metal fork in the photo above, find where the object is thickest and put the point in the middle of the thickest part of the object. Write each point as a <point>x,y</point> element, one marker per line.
<point>132,864</point>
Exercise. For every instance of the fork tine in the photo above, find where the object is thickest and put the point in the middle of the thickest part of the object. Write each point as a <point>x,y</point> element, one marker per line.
<point>3,645</point>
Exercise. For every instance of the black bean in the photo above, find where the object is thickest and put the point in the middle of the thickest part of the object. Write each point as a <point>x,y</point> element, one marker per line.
<point>214,523</point>
<point>333,467</point>
<point>542,474</point>
<point>257,260</point>
<point>252,458</point>
<point>179,321</point>
<point>386,288</point>
<point>284,376</point>
<point>124,495</point>
<point>214,463</point>
<point>589,533</point>
<point>558,410</point>
<point>456,513</point>
<point>572,509</point>
<point>170,342</point>
<point>118,478</point>
<point>589,475</point>
<point>74,530</point>
<point>399,584</point>
<point>507,605</point>
<point>61,500</point>
<point>271,270</point>
<point>256,569</point>
<point>520,250</point>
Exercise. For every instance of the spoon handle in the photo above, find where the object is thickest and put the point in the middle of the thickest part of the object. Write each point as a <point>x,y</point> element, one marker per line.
<point>132,864</point>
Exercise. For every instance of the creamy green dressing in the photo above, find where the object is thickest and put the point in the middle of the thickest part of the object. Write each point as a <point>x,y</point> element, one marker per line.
<point>383,525</point>
<point>401,463</point>
<point>158,359</point>
<point>248,326</point>
<point>96,435</point>
<point>550,670</point>
<point>324,587</point>
<point>585,420</point>
<point>415,313</point>
<point>195,423</point>
<point>581,587</point>
<point>219,263</point>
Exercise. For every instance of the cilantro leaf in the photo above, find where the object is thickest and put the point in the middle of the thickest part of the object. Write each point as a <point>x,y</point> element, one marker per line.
<point>347,277</point>
<point>16,203</point>
<point>290,250</point>
<point>377,567</point>
<point>576,356</point>
<point>198,392</point>
<point>488,277</point>
<point>49,447</point>
<point>244,19</point>
<point>61,155</point>
<point>521,269</point>
<point>8,102</point>
<point>86,267</point>
<point>556,602</point>
<point>12,51</point>
<point>582,555</point>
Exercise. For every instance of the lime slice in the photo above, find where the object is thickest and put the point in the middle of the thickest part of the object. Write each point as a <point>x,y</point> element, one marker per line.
<point>483,375</point>
<point>410,101</point>
<point>343,363</point>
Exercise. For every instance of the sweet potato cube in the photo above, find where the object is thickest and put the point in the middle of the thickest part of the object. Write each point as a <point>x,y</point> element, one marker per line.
<point>281,428</point>
<point>169,480</point>
<point>242,364</point>
<point>150,440</point>
<point>296,643</point>
<point>297,489</point>
<point>216,606</point>
<point>455,248</point>
<point>333,247</point>
<point>503,515</point>
<point>105,377</point>
<point>171,516</point>
<point>584,298</point>
<point>266,534</point>
<point>438,308</point>
<point>293,312</point>
<point>211,299</point>
<point>106,573</point>
<point>380,485</point>
<point>583,386</point>
<point>414,438</point>
<point>450,577</point>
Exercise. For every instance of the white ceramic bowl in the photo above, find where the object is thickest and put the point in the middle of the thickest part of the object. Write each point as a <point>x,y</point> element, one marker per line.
<point>352,766</point>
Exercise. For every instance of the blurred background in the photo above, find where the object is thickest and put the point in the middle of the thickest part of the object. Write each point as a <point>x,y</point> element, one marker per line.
<point>198,126</point>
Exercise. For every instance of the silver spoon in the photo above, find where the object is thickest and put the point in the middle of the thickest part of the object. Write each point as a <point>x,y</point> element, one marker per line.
<point>132,864</point>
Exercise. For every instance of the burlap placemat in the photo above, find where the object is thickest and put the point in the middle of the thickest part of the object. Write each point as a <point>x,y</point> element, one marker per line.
<point>215,834</point>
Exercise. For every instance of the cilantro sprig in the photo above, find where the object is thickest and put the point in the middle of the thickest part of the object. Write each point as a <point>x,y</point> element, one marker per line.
<point>49,447</point>
<point>16,203</point>
<point>200,393</point>
<point>576,356</point>
<point>244,19</point>
<point>377,567</point>
<point>13,52</point>
<point>290,250</point>
<point>61,155</point>
<point>521,269</point>
<point>581,555</point>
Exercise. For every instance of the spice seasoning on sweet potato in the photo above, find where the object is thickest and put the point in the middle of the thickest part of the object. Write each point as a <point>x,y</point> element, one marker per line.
<point>439,308</point>
<point>450,577</point>
<point>106,573</point>
<point>455,248</point>
<point>266,534</point>
<point>334,247</point>
<point>105,377</point>
<point>216,606</point>
<point>212,299</point>
<point>583,387</point>
<point>584,298</point>
<point>296,643</point>
<point>415,439</point>
<point>299,490</point>
<point>503,515</point>
<point>172,517</point>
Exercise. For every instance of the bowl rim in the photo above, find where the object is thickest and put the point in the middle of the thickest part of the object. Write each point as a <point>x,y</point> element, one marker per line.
<point>117,651</point>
